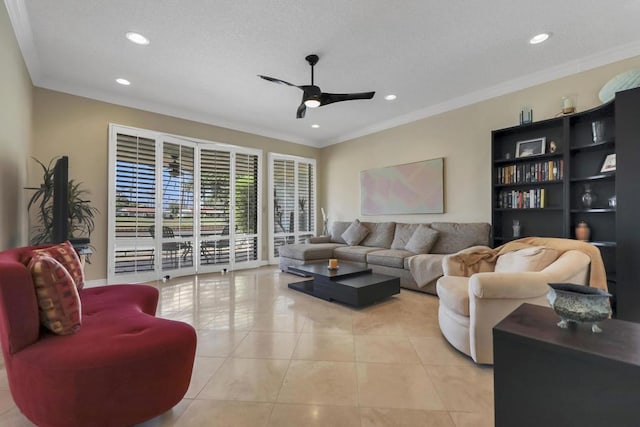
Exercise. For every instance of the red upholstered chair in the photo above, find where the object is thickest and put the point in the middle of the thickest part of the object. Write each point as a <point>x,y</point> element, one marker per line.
<point>122,367</point>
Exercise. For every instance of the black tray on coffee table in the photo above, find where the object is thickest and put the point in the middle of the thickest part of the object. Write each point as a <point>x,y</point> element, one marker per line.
<point>352,283</point>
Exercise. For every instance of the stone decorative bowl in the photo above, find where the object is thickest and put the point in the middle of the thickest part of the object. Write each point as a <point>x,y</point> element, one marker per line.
<point>579,303</point>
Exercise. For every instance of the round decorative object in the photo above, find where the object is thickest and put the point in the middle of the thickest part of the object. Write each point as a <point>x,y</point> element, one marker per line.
<point>579,303</point>
<point>583,231</point>
<point>553,147</point>
<point>587,198</point>
<point>627,80</point>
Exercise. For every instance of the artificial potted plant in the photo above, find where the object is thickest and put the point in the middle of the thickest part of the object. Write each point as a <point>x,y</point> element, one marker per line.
<point>80,212</point>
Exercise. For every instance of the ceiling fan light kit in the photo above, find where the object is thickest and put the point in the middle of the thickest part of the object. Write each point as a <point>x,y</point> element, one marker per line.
<point>312,96</point>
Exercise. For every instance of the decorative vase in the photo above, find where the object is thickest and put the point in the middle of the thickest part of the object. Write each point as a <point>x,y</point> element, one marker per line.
<point>587,198</point>
<point>597,131</point>
<point>516,228</point>
<point>578,303</point>
<point>583,231</point>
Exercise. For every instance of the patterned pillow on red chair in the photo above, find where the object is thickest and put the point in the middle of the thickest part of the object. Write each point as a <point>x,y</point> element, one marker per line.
<point>57,295</point>
<point>67,256</point>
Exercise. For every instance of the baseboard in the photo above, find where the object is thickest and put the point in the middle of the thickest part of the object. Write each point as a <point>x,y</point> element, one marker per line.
<point>95,283</point>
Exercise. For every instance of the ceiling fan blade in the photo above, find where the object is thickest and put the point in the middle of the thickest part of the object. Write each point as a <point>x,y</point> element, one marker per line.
<point>302,109</point>
<point>278,81</point>
<point>330,98</point>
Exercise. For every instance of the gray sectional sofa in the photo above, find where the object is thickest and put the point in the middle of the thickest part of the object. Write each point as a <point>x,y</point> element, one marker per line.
<point>384,249</point>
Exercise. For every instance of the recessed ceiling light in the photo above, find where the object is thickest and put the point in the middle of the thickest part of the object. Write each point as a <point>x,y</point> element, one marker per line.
<point>315,126</point>
<point>123,82</point>
<point>137,38</point>
<point>390,97</point>
<point>539,38</point>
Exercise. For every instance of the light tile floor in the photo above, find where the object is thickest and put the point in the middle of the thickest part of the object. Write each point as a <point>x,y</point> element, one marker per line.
<point>270,356</point>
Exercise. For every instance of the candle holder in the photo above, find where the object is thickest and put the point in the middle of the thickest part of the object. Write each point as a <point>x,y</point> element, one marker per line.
<point>333,264</point>
<point>526,115</point>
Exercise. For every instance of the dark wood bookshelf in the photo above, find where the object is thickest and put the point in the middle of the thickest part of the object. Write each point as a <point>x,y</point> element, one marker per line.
<point>528,209</point>
<point>594,146</point>
<point>539,157</point>
<point>609,175</point>
<point>529,184</point>
<point>614,230</point>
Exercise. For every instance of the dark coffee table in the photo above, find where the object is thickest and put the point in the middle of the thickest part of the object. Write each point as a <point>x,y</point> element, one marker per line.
<point>352,283</point>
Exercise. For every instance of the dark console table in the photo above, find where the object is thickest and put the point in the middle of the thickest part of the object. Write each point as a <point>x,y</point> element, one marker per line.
<point>547,376</point>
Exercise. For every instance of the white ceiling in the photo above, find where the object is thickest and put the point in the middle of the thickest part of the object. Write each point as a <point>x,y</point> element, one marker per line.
<point>204,55</point>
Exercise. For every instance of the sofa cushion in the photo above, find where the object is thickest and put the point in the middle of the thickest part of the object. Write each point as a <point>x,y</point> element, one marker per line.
<point>305,252</point>
<point>402,235</point>
<point>380,234</point>
<point>67,256</point>
<point>319,239</point>
<point>453,292</point>
<point>355,233</point>
<point>535,258</point>
<point>388,257</point>
<point>455,237</point>
<point>354,253</point>
<point>57,295</point>
<point>337,228</point>
<point>422,240</point>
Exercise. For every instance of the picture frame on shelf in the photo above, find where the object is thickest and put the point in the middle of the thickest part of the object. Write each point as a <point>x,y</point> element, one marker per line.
<point>531,147</point>
<point>609,163</point>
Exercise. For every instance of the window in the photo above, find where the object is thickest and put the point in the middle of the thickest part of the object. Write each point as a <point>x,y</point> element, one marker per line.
<point>180,206</point>
<point>292,210</point>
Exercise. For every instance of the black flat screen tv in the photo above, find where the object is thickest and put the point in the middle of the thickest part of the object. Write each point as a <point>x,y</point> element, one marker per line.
<point>60,231</point>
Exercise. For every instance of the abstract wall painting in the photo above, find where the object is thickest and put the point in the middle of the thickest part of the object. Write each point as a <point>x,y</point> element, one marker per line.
<point>412,188</point>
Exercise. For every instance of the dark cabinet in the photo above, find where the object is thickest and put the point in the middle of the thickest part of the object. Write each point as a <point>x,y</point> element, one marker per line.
<point>548,376</point>
<point>548,191</point>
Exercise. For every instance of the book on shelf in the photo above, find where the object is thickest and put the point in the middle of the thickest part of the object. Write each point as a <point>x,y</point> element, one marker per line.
<point>524,173</point>
<point>534,198</point>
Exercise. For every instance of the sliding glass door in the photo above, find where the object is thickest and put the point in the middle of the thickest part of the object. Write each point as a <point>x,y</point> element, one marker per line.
<point>292,205</point>
<point>180,206</point>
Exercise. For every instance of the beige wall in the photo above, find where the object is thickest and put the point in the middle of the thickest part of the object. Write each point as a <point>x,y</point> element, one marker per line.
<point>15,136</point>
<point>78,127</point>
<point>462,137</point>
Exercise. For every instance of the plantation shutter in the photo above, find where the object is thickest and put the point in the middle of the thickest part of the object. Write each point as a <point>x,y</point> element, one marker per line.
<point>180,206</point>
<point>293,189</point>
<point>135,212</point>
<point>215,187</point>
<point>306,201</point>
<point>246,207</point>
<point>178,220</point>
<point>284,199</point>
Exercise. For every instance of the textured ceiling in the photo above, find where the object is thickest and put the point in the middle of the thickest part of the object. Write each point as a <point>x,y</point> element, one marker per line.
<point>204,55</point>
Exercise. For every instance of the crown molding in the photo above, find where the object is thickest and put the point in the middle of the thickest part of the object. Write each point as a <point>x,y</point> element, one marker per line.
<point>19,18</point>
<point>181,113</point>
<point>569,68</point>
<point>17,11</point>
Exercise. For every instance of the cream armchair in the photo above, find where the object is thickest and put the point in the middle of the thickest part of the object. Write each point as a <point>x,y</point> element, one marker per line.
<point>471,306</point>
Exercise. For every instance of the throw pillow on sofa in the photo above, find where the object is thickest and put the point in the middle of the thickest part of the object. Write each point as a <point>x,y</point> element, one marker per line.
<point>355,233</point>
<point>535,258</point>
<point>67,256</point>
<point>57,295</point>
<point>422,240</point>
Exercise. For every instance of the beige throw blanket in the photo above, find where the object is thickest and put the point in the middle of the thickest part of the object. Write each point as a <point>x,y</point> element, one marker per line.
<point>425,268</point>
<point>597,278</point>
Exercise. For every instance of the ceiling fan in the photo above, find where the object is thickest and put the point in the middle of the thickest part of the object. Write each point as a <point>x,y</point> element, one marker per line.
<point>313,97</point>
